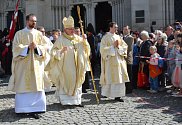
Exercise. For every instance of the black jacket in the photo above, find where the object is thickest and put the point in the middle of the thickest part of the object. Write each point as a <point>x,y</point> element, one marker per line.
<point>145,50</point>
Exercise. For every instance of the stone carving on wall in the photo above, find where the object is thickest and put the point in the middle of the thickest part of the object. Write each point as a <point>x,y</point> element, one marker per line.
<point>11,4</point>
<point>80,1</point>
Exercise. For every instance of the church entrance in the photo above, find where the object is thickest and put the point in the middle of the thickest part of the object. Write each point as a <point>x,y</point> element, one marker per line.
<point>178,10</point>
<point>20,22</point>
<point>74,14</point>
<point>103,15</point>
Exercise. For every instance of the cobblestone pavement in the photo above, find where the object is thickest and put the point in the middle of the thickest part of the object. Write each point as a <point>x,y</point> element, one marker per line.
<point>139,108</point>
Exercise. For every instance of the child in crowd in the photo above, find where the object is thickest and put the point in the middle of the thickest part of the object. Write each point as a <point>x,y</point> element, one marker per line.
<point>154,70</point>
<point>177,74</point>
<point>176,77</point>
<point>170,54</point>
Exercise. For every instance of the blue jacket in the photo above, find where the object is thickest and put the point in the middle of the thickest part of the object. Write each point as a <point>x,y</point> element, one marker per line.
<point>136,49</point>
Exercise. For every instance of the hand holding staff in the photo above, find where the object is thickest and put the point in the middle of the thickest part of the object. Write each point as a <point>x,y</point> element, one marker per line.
<point>81,26</point>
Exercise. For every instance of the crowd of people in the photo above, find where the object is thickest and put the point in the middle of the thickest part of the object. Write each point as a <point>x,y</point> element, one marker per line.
<point>127,60</point>
<point>5,53</point>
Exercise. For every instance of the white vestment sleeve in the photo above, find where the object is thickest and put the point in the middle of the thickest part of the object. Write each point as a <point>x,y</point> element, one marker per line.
<point>24,52</point>
<point>112,51</point>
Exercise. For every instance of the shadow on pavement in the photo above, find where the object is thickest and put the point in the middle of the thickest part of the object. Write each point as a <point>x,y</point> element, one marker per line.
<point>7,96</point>
<point>59,107</point>
<point>90,99</point>
<point>178,118</point>
<point>8,115</point>
<point>3,84</point>
<point>4,78</point>
<point>168,104</point>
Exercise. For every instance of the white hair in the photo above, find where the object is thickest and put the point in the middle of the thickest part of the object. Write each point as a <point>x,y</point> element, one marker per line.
<point>158,32</point>
<point>145,33</point>
<point>164,36</point>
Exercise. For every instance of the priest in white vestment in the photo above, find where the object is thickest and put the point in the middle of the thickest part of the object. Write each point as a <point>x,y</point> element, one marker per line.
<point>113,65</point>
<point>69,64</point>
<point>49,45</point>
<point>29,48</point>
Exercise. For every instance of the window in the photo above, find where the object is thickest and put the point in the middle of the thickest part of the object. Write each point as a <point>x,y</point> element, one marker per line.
<point>140,16</point>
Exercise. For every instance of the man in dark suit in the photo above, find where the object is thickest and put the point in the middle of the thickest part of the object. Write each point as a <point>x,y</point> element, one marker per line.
<point>129,41</point>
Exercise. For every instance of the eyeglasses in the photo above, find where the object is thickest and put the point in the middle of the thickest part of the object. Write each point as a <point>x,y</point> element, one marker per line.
<point>42,31</point>
<point>33,21</point>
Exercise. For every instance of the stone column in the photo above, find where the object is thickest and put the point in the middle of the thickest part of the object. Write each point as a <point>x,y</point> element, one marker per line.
<point>114,11</point>
<point>60,14</point>
<point>93,14</point>
<point>121,13</point>
<point>68,8</point>
<point>168,11</point>
<point>64,7</point>
<point>87,13</point>
<point>53,11</point>
<point>172,11</point>
<point>112,3</point>
<point>118,13</point>
<point>90,13</point>
<point>5,20</point>
<point>58,9</point>
<point>1,21</point>
<point>56,14</point>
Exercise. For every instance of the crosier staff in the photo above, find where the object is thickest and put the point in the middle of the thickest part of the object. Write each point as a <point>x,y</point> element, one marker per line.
<point>93,82</point>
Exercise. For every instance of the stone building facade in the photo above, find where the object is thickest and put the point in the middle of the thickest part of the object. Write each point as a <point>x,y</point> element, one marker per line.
<point>138,14</point>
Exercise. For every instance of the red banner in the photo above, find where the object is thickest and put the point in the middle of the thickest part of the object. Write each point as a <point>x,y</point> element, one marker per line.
<point>13,22</point>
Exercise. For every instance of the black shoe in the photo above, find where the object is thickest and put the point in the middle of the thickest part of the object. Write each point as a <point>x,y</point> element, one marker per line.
<point>35,115</point>
<point>119,99</point>
<point>21,114</point>
<point>80,105</point>
<point>84,91</point>
<point>53,85</point>
<point>104,96</point>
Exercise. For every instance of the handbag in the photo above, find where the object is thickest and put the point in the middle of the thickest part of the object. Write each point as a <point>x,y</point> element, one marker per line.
<point>142,77</point>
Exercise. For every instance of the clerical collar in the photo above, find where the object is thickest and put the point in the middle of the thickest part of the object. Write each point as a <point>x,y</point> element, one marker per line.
<point>111,33</point>
<point>30,30</point>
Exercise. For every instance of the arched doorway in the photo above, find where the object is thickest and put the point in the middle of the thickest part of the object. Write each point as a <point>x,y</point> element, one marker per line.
<point>74,14</point>
<point>178,10</point>
<point>20,22</point>
<point>103,15</point>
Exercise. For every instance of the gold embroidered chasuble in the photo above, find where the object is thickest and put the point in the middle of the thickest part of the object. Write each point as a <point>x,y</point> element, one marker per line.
<point>113,64</point>
<point>67,70</point>
<point>27,71</point>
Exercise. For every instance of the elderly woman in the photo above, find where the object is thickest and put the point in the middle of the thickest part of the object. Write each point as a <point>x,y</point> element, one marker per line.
<point>161,50</point>
<point>144,51</point>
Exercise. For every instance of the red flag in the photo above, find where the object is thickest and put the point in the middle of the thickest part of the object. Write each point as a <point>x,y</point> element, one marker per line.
<point>13,22</point>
